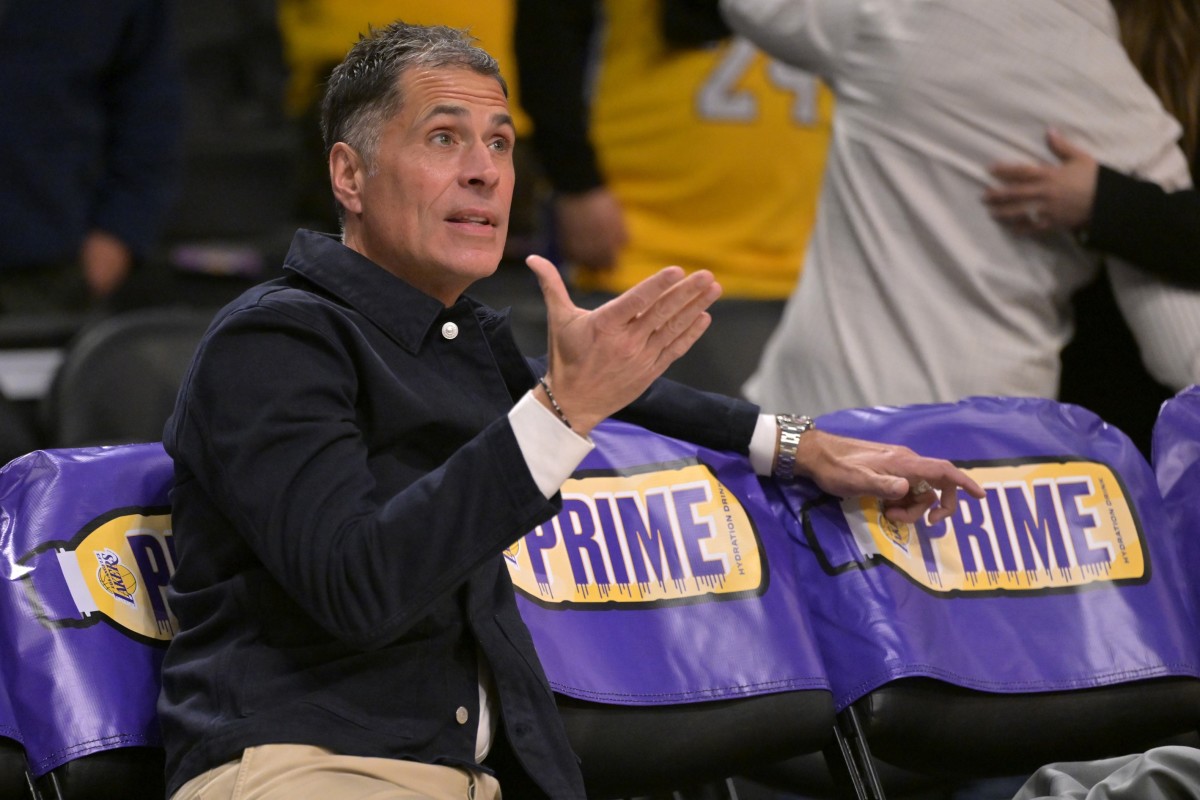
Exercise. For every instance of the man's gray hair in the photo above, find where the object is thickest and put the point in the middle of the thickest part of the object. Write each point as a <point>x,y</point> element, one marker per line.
<point>363,92</point>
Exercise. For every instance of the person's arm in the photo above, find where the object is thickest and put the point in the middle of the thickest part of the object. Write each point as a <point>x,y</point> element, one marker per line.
<point>552,42</point>
<point>1151,228</point>
<point>143,90</point>
<point>1136,220</point>
<point>692,23</point>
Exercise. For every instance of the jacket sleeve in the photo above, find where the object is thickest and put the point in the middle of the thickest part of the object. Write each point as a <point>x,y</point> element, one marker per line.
<point>1147,226</point>
<point>267,425</point>
<point>704,418</point>
<point>552,41</point>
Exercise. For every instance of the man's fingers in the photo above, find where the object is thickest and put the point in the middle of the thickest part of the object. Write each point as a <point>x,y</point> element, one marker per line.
<point>633,302</point>
<point>909,511</point>
<point>932,481</point>
<point>676,309</point>
<point>554,291</point>
<point>679,345</point>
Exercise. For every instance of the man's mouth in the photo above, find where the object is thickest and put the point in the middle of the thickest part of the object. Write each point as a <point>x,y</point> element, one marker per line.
<point>472,219</point>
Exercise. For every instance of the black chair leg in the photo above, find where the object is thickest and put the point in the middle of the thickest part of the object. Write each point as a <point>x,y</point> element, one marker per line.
<point>850,760</point>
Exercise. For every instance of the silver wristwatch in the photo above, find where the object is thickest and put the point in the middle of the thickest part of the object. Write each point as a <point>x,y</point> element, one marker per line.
<point>791,428</point>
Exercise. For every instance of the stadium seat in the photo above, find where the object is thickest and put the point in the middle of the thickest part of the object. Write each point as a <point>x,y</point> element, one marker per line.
<point>14,780</point>
<point>630,750</point>
<point>934,728</point>
<point>119,377</point>
<point>130,773</point>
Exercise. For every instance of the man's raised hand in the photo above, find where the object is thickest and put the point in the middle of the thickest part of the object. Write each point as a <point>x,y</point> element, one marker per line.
<point>601,360</point>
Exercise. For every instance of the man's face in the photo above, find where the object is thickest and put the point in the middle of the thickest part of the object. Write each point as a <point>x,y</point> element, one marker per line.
<point>434,209</point>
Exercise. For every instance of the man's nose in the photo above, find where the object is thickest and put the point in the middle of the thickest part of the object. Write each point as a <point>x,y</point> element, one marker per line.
<point>479,165</point>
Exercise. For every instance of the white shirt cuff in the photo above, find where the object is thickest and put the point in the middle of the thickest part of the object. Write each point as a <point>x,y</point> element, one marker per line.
<point>552,450</point>
<point>762,444</point>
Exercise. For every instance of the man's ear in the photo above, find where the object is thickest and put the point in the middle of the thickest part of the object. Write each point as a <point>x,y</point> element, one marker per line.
<point>346,175</point>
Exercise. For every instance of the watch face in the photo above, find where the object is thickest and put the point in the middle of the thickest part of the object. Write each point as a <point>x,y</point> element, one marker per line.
<point>794,425</point>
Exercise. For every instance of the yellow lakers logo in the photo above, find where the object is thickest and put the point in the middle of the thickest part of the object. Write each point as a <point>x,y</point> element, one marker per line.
<point>1042,525</point>
<point>120,570</point>
<point>665,534</point>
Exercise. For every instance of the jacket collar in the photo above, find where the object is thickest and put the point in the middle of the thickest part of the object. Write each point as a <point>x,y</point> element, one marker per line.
<point>402,311</point>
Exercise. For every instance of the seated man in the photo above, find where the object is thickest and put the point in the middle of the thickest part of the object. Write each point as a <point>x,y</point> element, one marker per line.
<point>357,442</point>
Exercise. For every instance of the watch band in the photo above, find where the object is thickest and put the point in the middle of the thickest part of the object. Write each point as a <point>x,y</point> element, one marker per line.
<point>791,428</point>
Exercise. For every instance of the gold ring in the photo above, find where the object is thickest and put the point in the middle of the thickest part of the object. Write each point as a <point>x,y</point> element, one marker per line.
<point>922,487</point>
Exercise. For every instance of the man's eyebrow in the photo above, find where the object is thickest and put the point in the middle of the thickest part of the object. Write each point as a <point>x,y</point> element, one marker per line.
<point>460,111</point>
<point>446,108</point>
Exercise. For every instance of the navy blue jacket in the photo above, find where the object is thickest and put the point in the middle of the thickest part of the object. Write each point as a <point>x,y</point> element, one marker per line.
<point>90,125</point>
<point>346,480</point>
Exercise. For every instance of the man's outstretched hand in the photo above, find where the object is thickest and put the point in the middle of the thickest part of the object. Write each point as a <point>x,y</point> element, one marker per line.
<point>908,483</point>
<point>602,360</point>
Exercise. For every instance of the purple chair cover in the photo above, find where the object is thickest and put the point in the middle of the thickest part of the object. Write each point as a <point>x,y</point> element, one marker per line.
<point>1067,576</point>
<point>87,552</point>
<point>665,579</point>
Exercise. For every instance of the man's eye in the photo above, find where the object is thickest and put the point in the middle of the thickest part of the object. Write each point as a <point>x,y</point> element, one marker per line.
<point>442,138</point>
<point>501,145</point>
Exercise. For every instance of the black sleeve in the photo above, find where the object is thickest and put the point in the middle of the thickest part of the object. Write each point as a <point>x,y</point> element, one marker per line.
<point>692,23</point>
<point>1152,229</point>
<point>143,91</point>
<point>552,41</point>
<point>703,418</point>
<point>683,412</point>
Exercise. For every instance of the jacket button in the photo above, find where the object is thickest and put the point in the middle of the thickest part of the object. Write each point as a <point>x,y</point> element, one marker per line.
<point>449,330</point>
<point>461,715</point>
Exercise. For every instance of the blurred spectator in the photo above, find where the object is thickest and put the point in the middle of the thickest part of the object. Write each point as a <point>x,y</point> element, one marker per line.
<point>1120,214</point>
<point>89,142</point>
<point>911,293</point>
<point>1115,212</point>
<point>669,141</point>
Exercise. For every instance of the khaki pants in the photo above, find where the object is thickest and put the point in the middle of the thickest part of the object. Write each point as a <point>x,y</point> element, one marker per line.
<point>303,772</point>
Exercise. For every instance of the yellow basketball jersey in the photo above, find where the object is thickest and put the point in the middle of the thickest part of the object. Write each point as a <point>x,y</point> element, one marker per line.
<point>317,34</point>
<point>714,154</point>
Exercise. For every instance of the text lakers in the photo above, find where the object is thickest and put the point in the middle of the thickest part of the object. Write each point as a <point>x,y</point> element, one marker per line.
<point>663,535</point>
<point>1042,525</point>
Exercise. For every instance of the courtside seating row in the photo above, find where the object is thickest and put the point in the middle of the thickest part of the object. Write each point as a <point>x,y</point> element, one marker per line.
<point>698,622</point>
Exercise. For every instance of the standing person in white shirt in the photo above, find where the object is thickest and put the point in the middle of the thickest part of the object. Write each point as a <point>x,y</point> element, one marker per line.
<point>911,292</point>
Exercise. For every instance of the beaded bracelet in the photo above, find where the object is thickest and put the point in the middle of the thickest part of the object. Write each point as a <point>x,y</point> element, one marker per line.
<point>554,403</point>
